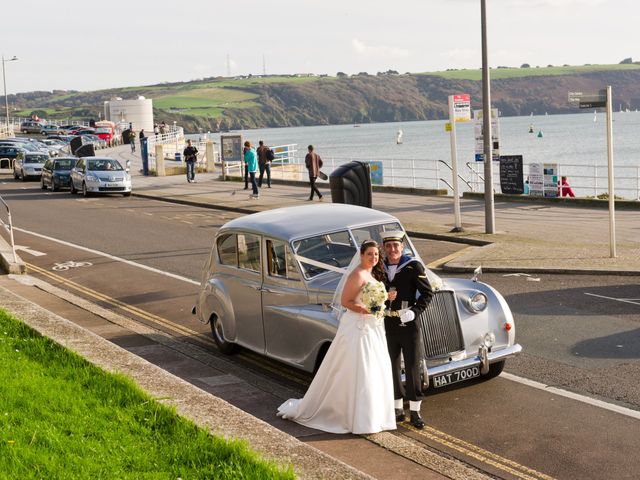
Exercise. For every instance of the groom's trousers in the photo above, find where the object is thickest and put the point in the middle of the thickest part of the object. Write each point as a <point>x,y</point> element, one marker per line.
<point>406,341</point>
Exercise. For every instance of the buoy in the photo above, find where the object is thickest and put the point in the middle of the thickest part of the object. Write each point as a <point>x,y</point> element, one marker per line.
<point>540,134</point>
<point>530,128</point>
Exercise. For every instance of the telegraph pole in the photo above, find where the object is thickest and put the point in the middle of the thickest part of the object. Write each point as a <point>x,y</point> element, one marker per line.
<point>489,221</point>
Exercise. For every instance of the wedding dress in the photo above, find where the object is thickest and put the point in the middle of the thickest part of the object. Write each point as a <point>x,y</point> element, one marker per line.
<point>353,389</point>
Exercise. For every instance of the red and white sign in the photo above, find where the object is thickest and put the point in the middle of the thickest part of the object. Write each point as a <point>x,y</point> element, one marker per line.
<point>462,107</point>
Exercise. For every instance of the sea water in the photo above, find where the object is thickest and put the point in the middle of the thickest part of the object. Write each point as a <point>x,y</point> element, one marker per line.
<point>576,142</point>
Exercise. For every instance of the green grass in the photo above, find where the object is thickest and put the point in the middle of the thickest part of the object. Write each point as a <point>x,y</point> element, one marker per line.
<point>63,418</point>
<point>498,73</point>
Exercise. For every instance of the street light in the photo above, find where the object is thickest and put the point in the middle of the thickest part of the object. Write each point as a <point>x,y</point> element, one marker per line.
<point>4,81</point>
<point>486,130</point>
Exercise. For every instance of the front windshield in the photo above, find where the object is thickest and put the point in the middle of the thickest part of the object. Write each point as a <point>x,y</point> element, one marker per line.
<point>338,248</point>
<point>36,159</point>
<point>104,165</point>
<point>63,164</point>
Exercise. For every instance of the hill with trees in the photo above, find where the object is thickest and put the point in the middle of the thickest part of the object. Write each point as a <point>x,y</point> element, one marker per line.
<point>220,104</point>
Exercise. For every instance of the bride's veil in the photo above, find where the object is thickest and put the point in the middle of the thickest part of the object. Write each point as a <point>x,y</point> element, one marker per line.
<point>336,303</point>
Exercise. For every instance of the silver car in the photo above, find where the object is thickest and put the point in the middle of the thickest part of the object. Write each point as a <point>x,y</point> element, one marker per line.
<point>99,175</point>
<point>29,164</point>
<point>269,282</point>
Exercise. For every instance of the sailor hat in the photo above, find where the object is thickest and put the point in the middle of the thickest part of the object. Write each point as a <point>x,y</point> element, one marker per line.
<point>392,236</point>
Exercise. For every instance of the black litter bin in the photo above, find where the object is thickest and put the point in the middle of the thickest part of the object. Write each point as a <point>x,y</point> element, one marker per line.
<point>127,136</point>
<point>351,183</point>
<point>75,144</point>
<point>86,150</point>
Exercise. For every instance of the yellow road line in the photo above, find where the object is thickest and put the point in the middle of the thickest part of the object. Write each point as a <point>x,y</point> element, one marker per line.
<point>485,456</point>
<point>249,357</point>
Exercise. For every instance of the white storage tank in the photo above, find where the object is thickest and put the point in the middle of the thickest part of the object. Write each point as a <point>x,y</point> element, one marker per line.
<point>137,111</point>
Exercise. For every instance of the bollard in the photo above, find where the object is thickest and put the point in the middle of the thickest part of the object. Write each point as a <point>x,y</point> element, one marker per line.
<point>160,171</point>
<point>210,153</point>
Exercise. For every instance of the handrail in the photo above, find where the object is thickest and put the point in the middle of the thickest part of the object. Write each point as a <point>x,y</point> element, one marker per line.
<point>9,227</point>
<point>459,176</point>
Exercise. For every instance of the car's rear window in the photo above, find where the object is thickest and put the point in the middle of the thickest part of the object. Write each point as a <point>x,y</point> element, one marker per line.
<point>63,165</point>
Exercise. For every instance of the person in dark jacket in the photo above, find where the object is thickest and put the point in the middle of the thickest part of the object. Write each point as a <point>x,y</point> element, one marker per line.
<point>313,162</point>
<point>264,163</point>
<point>407,276</point>
<point>190,158</point>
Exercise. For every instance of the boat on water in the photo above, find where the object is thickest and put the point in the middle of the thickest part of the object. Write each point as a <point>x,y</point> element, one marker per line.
<point>399,137</point>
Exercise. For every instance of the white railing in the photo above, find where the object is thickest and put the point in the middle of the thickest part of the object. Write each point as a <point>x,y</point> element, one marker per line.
<point>172,142</point>
<point>8,226</point>
<point>284,166</point>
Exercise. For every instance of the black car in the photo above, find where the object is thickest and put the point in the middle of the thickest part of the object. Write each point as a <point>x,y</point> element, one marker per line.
<point>55,173</point>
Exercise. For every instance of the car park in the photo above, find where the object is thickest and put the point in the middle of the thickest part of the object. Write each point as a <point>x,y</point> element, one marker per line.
<point>99,175</point>
<point>56,173</point>
<point>269,282</point>
<point>31,127</point>
<point>29,164</point>
<point>96,140</point>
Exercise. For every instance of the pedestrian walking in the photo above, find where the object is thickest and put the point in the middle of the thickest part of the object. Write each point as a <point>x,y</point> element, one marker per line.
<point>251,165</point>
<point>156,130</point>
<point>190,155</point>
<point>142,136</point>
<point>265,157</point>
<point>132,140</point>
<point>313,162</point>
<point>565,188</point>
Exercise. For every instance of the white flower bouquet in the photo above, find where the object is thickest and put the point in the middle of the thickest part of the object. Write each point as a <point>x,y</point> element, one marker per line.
<point>374,295</point>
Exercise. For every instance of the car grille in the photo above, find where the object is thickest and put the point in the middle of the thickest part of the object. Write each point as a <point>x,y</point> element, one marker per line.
<point>111,189</point>
<point>441,332</point>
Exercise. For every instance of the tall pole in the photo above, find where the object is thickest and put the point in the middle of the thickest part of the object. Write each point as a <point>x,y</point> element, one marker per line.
<point>4,82</point>
<point>612,202</point>
<point>454,169</point>
<point>489,221</point>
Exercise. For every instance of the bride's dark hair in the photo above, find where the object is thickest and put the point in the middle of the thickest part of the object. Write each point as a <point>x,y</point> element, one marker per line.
<point>378,269</point>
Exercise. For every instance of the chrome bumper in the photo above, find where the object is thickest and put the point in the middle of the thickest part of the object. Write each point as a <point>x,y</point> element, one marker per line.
<point>483,359</point>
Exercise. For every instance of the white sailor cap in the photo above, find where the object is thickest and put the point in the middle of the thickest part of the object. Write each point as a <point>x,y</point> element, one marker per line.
<point>392,236</point>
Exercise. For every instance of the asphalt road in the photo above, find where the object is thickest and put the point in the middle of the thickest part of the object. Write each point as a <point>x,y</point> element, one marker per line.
<point>581,334</point>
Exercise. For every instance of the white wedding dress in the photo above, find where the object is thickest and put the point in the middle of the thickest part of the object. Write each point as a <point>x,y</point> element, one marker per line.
<point>353,389</point>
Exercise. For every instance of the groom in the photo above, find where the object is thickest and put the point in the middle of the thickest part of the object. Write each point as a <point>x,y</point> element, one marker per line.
<point>407,275</point>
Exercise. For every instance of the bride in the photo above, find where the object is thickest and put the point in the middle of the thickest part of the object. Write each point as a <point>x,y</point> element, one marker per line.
<point>353,390</point>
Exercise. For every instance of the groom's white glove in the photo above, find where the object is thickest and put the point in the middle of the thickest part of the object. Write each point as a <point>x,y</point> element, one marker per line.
<point>408,316</point>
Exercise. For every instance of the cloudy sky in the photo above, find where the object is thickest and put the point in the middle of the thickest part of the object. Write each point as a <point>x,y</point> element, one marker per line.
<point>115,43</point>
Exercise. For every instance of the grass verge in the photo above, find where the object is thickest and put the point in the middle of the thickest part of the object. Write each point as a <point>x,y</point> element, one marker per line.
<point>64,418</point>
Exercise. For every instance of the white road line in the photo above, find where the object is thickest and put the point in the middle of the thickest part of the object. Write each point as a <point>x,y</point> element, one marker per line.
<point>624,300</point>
<point>573,396</point>
<point>112,257</point>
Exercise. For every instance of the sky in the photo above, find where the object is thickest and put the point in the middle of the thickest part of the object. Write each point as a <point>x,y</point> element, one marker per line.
<point>104,44</point>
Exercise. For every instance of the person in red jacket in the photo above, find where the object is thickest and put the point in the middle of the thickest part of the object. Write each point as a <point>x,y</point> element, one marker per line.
<point>566,188</point>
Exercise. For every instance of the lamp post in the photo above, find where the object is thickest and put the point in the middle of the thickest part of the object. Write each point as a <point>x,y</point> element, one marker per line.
<point>4,81</point>
<point>486,129</point>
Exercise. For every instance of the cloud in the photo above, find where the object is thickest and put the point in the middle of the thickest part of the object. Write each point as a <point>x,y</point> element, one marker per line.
<point>362,48</point>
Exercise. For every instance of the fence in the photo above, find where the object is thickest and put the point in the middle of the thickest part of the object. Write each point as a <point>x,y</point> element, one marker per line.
<point>7,225</point>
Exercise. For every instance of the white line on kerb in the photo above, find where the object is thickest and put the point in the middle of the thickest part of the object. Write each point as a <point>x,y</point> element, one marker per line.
<point>573,396</point>
<point>624,300</point>
<point>112,257</point>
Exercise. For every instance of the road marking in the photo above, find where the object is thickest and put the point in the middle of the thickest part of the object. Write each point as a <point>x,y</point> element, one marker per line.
<point>573,396</point>
<point>624,300</point>
<point>35,253</point>
<point>484,456</point>
<point>112,257</point>
<point>441,261</point>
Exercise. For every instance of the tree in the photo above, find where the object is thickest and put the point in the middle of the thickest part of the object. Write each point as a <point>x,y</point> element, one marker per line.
<point>525,65</point>
<point>341,75</point>
<point>626,61</point>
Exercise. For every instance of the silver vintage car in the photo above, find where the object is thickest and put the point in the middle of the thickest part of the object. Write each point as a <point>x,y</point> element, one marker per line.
<point>269,282</point>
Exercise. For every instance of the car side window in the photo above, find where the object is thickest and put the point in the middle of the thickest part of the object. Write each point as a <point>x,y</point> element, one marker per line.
<point>227,251</point>
<point>276,258</point>
<point>47,164</point>
<point>249,251</point>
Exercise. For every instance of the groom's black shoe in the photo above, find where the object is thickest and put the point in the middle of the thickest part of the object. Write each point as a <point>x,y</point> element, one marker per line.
<point>400,415</point>
<point>416,420</point>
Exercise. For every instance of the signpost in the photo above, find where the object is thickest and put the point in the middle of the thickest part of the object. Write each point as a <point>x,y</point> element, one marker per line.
<point>459,111</point>
<point>595,100</point>
<point>479,135</point>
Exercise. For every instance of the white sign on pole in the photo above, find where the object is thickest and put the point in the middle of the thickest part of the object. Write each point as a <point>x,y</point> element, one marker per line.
<point>462,107</point>
<point>536,180</point>
<point>479,136</point>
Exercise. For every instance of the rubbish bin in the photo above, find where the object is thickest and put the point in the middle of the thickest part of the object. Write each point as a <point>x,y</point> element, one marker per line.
<point>351,183</point>
<point>178,157</point>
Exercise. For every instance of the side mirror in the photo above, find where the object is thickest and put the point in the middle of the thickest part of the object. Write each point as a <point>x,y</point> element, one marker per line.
<point>127,166</point>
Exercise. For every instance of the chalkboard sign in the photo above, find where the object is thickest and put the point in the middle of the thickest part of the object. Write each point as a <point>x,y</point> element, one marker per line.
<point>511,176</point>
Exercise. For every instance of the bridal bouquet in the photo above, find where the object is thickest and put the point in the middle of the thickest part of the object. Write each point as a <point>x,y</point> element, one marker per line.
<point>374,295</point>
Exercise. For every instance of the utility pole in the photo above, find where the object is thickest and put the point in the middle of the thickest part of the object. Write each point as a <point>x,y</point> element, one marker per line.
<point>228,66</point>
<point>264,66</point>
<point>489,221</point>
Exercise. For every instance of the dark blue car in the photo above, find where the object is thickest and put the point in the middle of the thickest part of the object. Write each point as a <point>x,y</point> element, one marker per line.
<point>56,173</point>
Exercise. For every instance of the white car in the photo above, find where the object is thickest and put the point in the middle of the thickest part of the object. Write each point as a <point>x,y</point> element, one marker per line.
<point>29,164</point>
<point>100,175</point>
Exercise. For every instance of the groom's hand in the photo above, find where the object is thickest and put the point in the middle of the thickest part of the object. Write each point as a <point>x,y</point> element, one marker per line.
<point>408,316</point>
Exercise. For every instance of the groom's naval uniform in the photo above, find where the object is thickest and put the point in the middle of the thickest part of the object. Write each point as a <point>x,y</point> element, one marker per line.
<point>409,278</point>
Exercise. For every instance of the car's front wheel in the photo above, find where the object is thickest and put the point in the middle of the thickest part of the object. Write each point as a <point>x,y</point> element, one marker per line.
<point>23,176</point>
<point>126,194</point>
<point>72,190</point>
<point>85,192</point>
<point>225,347</point>
<point>42,185</point>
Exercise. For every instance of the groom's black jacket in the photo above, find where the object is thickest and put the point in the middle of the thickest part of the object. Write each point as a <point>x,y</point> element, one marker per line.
<point>410,279</point>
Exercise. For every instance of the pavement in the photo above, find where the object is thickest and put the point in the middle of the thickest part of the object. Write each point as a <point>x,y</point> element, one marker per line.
<point>531,237</point>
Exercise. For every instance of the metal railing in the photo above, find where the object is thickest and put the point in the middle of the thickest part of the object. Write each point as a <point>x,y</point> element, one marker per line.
<point>8,226</point>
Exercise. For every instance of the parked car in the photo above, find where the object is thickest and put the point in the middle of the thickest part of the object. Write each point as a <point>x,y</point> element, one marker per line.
<point>51,130</point>
<point>8,153</point>
<point>269,282</point>
<point>29,164</point>
<point>56,173</point>
<point>99,175</point>
<point>82,131</point>
<point>31,127</point>
<point>91,138</point>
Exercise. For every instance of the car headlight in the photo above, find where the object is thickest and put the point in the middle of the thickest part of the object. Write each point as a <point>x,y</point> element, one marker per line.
<point>92,178</point>
<point>477,302</point>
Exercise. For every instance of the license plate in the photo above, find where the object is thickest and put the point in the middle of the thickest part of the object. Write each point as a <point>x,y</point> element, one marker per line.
<point>113,184</point>
<point>455,377</point>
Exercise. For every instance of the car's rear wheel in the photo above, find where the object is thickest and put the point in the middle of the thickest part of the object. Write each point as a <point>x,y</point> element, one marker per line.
<point>54,186</point>
<point>225,347</point>
<point>72,190</point>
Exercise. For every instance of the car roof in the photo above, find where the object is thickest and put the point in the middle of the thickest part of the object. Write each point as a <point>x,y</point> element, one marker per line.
<point>296,222</point>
